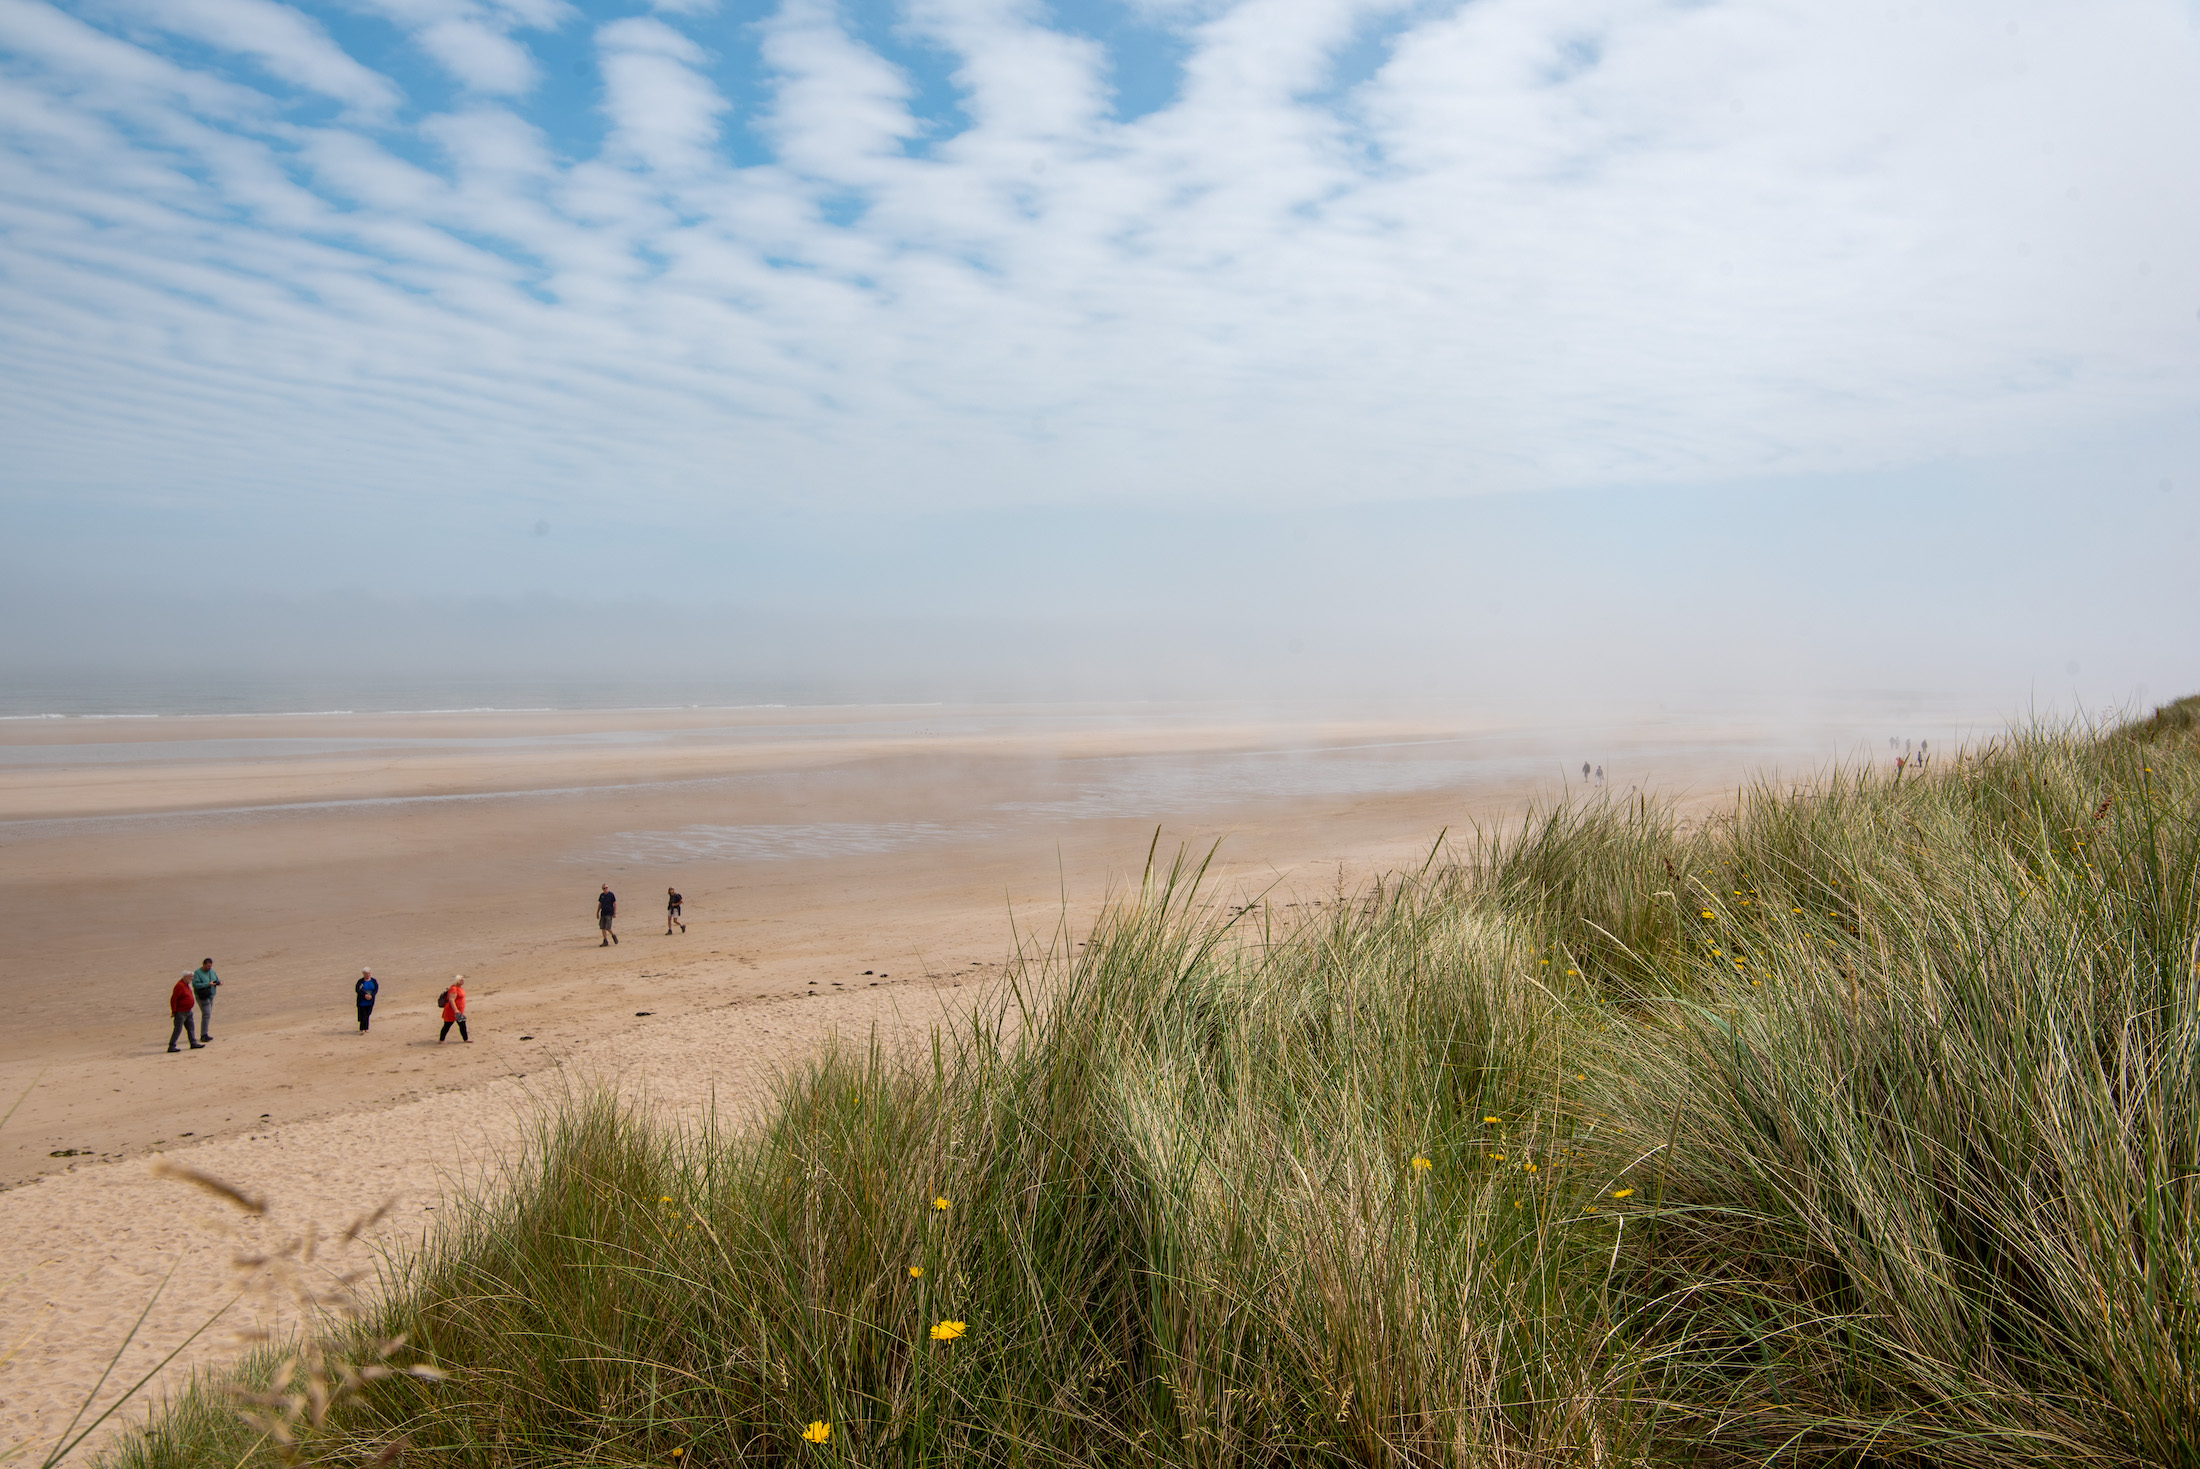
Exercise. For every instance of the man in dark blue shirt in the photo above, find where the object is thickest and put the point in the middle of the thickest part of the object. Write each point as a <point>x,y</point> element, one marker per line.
<point>607,905</point>
<point>367,988</point>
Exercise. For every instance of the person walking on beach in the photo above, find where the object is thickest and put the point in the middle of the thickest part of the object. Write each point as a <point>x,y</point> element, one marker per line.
<point>367,988</point>
<point>607,908</point>
<point>672,911</point>
<point>180,1001</point>
<point>453,1002</point>
<point>204,981</point>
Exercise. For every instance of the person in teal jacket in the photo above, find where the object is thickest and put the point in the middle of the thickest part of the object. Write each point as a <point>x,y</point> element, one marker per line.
<point>204,981</point>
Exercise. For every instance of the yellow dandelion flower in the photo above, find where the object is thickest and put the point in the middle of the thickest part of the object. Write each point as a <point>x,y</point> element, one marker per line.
<point>1707,912</point>
<point>1580,1076</point>
<point>1575,972</point>
<point>818,1432</point>
<point>1493,1119</point>
<point>664,1198</point>
<point>949,1330</point>
<point>1795,910</point>
<point>676,1453</point>
<point>1500,1157</point>
<point>916,1272</point>
<point>1421,1164</point>
<point>1588,1208</point>
<point>1621,1193</point>
<point>1542,961</point>
<point>1528,1167</point>
<point>943,1202</point>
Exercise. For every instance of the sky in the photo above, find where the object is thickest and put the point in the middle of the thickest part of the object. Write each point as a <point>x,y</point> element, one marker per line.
<point>1137,344</point>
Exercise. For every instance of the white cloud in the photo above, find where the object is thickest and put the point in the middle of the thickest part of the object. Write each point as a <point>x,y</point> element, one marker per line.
<point>492,142</point>
<point>415,14</point>
<point>1024,84</point>
<point>1561,242</point>
<point>536,14</point>
<point>484,59</point>
<point>124,75</point>
<point>356,169</point>
<point>472,40</point>
<point>287,43</point>
<point>662,110</point>
<point>841,111</point>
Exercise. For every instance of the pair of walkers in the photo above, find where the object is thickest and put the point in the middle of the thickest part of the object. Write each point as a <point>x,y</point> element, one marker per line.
<point>452,1002</point>
<point>193,992</point>
<point>607,913</point>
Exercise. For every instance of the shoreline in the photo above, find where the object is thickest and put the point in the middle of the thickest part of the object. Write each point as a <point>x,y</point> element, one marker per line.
<point>485,709</point>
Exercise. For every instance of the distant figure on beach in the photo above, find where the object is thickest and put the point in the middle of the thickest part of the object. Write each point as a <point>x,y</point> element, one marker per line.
<point>607,907</point>
<point>453,1001</point>
<point>672,911</point>
<point>367,987</point>
<point>204,981</point>
<point>180,1001</point>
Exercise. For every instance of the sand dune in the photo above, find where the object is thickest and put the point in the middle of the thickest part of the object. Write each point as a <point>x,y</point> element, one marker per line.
<point>842,868</point>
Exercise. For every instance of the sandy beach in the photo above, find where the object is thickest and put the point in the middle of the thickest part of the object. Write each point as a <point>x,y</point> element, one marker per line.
<point>843,869</point>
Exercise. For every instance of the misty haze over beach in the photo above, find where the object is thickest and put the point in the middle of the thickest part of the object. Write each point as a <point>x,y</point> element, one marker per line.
<point>2057,586</point>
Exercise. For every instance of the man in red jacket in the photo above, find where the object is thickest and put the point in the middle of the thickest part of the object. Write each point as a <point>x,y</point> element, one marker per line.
<point>181,1002</point>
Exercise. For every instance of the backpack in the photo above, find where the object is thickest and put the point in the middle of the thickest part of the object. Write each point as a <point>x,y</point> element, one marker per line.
<point>443,1000</point>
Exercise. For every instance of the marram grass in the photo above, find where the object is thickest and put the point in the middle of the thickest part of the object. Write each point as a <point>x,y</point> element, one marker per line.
<point>1857,1126</point>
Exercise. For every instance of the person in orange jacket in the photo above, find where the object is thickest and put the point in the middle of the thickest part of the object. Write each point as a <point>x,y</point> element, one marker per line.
<point>181,1002</point>
<point>454,1011</point>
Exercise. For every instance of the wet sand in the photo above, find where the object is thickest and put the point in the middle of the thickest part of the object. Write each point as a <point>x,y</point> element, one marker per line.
<point>841,869</point>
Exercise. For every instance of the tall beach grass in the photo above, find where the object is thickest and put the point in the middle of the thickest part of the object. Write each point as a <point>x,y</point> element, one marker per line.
<point>1855,1125</point>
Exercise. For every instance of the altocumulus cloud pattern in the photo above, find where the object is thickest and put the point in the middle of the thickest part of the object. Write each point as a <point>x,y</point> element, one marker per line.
<point>986,251</point>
